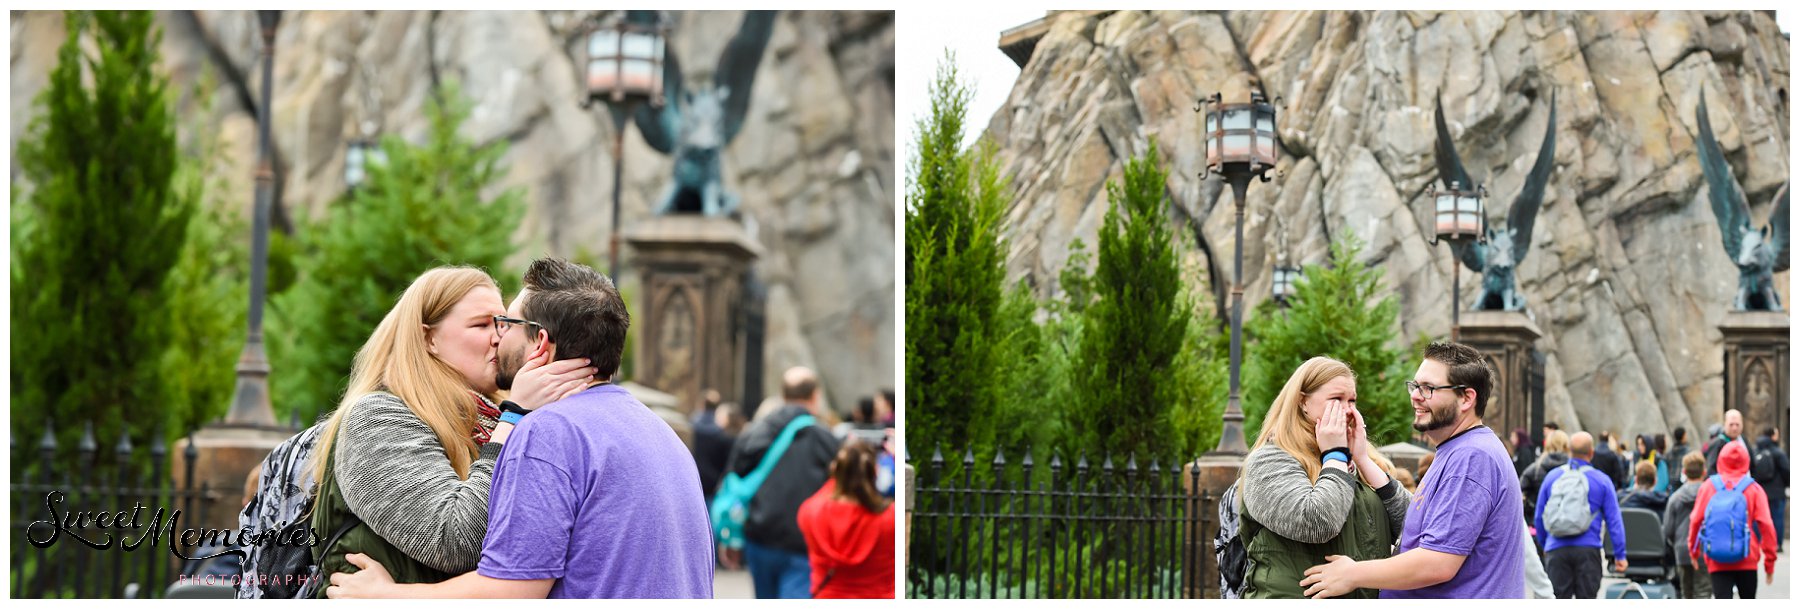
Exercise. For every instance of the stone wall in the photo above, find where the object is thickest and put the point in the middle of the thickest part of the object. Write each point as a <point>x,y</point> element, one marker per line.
<point>814,164</point>
<point>1626,274</point>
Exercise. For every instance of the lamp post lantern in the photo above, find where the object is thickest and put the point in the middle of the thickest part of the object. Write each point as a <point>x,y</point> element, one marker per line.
<point>250,402</point>
<point>1458,219</point>
<point>1282,287</point>
<point>362,153</point>
<point>1240,145</point>
<point>623,67</point>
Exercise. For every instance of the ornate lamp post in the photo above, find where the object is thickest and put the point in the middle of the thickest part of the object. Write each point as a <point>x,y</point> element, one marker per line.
<point>365,150</point>
<point>1459,220</point>
<point>1240,145</point>
<point>623,64</point>
<point>250,404</point>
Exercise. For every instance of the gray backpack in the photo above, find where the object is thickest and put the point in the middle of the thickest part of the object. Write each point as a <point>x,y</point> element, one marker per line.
<point>1567,513</point>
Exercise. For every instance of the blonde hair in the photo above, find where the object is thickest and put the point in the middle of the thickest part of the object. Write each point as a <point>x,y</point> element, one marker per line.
<point>1557,442</point>
<point>397,359</point>
<point>1287,425</point>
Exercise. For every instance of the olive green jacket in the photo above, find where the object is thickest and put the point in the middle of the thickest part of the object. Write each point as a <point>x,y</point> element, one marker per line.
<point>331,512</point>
<point>1277,485</point>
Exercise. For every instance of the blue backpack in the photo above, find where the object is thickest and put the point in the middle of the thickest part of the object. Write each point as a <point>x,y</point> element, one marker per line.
<point>1725,532</point>
<point>731,505</point>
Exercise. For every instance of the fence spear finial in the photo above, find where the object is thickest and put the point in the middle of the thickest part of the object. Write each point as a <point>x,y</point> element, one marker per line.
<point>88,446</point>
<point>48,444</point>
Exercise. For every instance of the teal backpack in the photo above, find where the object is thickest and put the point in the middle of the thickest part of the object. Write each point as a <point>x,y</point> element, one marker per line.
<point>731,505</point>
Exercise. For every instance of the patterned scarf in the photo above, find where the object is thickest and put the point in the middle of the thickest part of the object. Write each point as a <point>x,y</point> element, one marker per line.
<point>487,416</point>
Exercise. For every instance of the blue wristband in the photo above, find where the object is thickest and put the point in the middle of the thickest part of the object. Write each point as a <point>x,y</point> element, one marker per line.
<point>511,417</point>
<point>1335,454</point>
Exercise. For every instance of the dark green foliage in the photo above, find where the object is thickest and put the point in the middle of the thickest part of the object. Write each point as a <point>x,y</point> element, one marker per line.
<point>1117,366</point>
<point>424,208</point>
<point>954,271</point>
<point>1136,323</point>
<point>1339,310</point>
<point>108,320</point>
<point>209,295</point>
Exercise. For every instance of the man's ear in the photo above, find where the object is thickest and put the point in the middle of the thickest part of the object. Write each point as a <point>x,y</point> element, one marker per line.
<point>543,346</point>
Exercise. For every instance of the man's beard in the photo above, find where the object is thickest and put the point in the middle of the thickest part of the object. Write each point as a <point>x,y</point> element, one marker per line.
<point>1439,418</point>
<point>508,367</point>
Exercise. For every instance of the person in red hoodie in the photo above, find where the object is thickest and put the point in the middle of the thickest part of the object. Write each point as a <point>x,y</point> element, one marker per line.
<point>1734,472</point>
<point>849,529</point>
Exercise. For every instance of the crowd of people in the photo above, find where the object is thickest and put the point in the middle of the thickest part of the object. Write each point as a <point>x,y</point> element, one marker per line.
<point>1319,512</point>
<point>1710,547</point>
<point>482,450</point>
<point>818,520</point>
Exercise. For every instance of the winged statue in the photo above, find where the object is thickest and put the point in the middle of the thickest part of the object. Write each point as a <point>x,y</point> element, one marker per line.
<point>1498,256</point>
<point>1759,254</point>
<point>695,124</point>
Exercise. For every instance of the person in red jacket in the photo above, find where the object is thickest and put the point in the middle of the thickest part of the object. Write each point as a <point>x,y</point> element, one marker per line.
<point>849,529</point>
<point>1734,469</point>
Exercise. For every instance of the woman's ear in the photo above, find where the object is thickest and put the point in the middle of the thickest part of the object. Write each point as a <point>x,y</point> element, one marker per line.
<point>430,341</point>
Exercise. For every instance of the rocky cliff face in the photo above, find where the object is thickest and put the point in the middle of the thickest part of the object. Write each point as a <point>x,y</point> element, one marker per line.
<point>814,164</point>
<point>1626,275</point>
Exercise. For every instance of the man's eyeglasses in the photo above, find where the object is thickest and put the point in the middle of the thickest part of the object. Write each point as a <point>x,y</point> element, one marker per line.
<point>503,323</point>
<point>1423,390</point>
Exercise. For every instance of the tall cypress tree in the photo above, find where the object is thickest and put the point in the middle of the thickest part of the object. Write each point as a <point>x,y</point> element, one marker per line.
<point>422,209</point>
<point>1127,391</point>
<point>955,257</point>
<point>96,238</point>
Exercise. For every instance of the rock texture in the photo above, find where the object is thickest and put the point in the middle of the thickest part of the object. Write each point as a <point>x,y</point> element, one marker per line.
<point>814,163</point>
<point>1626,274</point>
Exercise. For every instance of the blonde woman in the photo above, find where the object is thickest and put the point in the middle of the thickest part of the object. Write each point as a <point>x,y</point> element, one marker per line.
<point>404,465</point>
<point>1556,454</point>
<point>1313,487</point>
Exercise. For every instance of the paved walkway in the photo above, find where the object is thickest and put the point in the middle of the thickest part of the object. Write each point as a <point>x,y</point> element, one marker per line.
<point>1779,589</point>
<point>732,584</point>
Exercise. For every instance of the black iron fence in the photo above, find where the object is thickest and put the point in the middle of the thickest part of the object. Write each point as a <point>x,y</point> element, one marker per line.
<point>91,478</point>
<point>1028,530</point>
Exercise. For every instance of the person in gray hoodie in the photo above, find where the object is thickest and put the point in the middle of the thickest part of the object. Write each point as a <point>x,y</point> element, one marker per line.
<point>1695,583</point>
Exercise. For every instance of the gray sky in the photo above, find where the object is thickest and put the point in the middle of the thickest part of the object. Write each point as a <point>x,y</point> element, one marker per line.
<point>974,35</point>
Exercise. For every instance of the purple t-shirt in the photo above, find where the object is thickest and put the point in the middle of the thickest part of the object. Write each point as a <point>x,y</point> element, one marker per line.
<point>1468,505</point>
<point>597,492</point>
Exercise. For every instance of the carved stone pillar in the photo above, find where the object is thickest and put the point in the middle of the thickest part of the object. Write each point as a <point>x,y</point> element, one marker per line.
<point>691,270</point>
<point>1756,369</point>
<point>1507,339</point>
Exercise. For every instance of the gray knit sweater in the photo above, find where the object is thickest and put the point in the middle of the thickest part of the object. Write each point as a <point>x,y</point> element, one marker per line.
<point>1278,494</point>
<point>395,477</point>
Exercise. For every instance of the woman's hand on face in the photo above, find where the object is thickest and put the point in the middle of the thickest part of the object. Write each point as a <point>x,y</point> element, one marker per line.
<point>1329,429</point>
<point>1359,452</point>
<point>540,382</point>
<point>1358,434</point>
